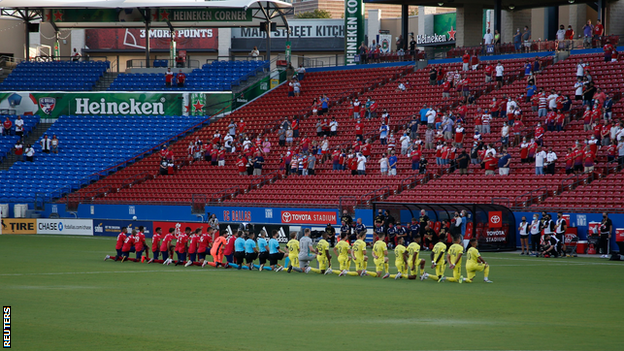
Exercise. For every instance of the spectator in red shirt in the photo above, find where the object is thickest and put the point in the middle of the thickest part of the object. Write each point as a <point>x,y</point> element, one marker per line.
<point>180,78</point>
<point>168,78</point>
<point>608,51</point>
<point>465,61</point>
<point>489,70</point>
<point>588,160</point>
<point>7,125</point>
<point>489,163</point>
<point>598,33</point>
<point>359,130</point>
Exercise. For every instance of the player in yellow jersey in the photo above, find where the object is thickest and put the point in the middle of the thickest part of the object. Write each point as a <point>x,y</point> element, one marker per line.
<point>380,255</point>
<point>400,259</point>
<point>293,253</point>
<point>358,255</point>
<point>475,263</point>
<point>454,259</point>
<point>323,257</point>
<point>437,260</point>
<point>341,250</point>
<point>414,262</point>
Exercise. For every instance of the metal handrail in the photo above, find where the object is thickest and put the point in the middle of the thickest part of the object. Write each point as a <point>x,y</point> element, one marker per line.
<point>531,197</point>
<point>373,195</point>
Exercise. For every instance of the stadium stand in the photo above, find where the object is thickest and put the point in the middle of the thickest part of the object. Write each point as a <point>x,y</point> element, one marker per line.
<point>55,75</point>
<point>7,142</point>
<point>260,117</point>
<point>90,146</point>
<point>218,75</point>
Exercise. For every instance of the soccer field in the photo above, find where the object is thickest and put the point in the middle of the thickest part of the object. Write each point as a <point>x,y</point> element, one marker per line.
<point>63,296</point>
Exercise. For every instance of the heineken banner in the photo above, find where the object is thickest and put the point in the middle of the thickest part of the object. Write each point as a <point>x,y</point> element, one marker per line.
<point>55,104</point>
<point>354,30</point>
<point>443,31</point>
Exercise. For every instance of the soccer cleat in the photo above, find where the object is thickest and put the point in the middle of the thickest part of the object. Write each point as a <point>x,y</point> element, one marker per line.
<point>442,278</point>
<point>143,259</point>
<point>279,269</point>
<point>204,263</point>
<point>289,269</point>
<point>487,280</point>
<point>424,276</point>
<point>151,260</point>
<point>170,261</point>
<point>261,267</point>
<point>328,271</point>
<point>342,273</point>
<point>123,258</point>
<point>386,276</point>
<point>307,270</point>
<point>363,273</point>
<point>188,263</point>
<point>107,257</point>
<point>461,279</point>
<point>397,276</point>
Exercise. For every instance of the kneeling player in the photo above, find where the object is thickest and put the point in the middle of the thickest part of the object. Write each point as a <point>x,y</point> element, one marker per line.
<point>437,260</point>
<point>322,256</point>
<point>400,259</point>
<point>251,251</point>
<point>181,246</point>
<point>140,245</point>
<point>342,251</point>
<point>156,238</point>
<point>476,263</point>
<point>454,259</point>
<point>203,247</point>
<point>414,261</point>
<point>551,246</point>
<point>292,248</point>
<point>380,255</point>
<point>263,250</point>
<point>166,248</point>
<point>275,252</point>
<point>218,251</point>
<point>192,248</point>
<point>358,254</point>
<point>121,238</point>
<point>127,247</point>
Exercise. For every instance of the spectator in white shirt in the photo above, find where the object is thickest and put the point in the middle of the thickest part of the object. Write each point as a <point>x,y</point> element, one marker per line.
<point>486,118</point>
<point>580,69</point>
<point>431,116</point>
<point>500,71</point>
<point>227,142</point>
<point>561,34</point>
<point>552,100</point>
<point>540,158</point>
<point>333,127</point>
<point>505,134</point>
<point>405,142</point>
<point>19,126</point>
<point>488,38</point>
<point>551,158</point>
<point>578,89</point>
<point>55,144</point>
<point>46,144</point>
<point>361,164</point>
<point>30,153</point>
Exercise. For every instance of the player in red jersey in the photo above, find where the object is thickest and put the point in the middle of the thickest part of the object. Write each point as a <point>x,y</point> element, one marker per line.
<point>217,252</point>
<point>140,245</point>
<point>192,248</point>
<point>181,246</point>
<point>166,248</point>
<point>156,238</point>
<point>120,240</point>
<point>127,246</point>
<point>204,244</point>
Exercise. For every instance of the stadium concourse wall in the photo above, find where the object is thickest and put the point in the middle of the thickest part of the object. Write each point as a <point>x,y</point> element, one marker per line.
<point>294,218</point>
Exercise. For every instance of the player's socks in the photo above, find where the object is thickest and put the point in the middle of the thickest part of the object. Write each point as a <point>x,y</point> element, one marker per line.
<point>387,267</point>
<point>486,272</point>
<point>297,269</point>
<point>132,259</point>
<point>433,277</point>
<point>315,270</point>
<point>197,264</point>
<point>337,272</point>
<point>158,261</point>
<point>452,279</point>
<point>372,274</point>
<point>353,273</point>
<point>212,264</point>
<point>287,261</point>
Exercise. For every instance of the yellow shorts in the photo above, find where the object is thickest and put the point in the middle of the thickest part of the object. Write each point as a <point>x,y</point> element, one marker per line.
<point>440,269</point>
<point>360,264</point>
<point>323,262</point>
<point>345,263</point>
<point>294,260</point>
<point>380,264</point>
<point>401,267</point>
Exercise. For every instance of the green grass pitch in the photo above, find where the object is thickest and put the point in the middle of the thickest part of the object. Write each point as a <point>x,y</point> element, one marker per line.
<point>64,297</point>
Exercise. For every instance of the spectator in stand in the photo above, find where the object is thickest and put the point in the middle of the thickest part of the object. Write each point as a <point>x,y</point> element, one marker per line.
<point>255,53</point>
<point>517,40</point>
<point>500,72</point>
<point>526,39</point>
<point>608,51</point>
<point>180,78</point>
<point>401,87</point>
<point>608,107</point>
<point>540,159</point>
<point>569,37</point>
<point>383,164</point>
<point>6,127</point>
<point>560,35</point>
<point>539,134</point>
<point>459,136</point>
<point>588,30</point>
<point>489,162</point>
<point>488,72</point>
<point>221,156</point>
<point>551,159</point>
<point>620,148</point>
<point>488,39</point>
<point>405,143</point>
<point>588,160</point>
<point>168,78</point>
<point>431,117</point>
<point>30,153</point>
<point>19,150</point>
<point>580,69</point>
<point>311,164</point>
<point>433,74</point>
<point>504,161</point>
<point>466,61</point>
<point>588,94</point>
<point>46,144</point>
<point>505,134</point>
<point>301,72</point>
<point>361,164</point>
<point>392,163</point>
<point>463,160</point>
<point>324,104</point>
<point>423,115</point>
<point>422,165</point>
<point>19,126</point>
<point>531,89</point>
<point>598,33</point>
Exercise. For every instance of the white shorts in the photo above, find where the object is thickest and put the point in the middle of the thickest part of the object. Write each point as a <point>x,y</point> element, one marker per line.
<point>392,171</point>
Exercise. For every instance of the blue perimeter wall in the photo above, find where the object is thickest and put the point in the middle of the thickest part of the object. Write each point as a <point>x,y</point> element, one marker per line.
<point>273,215</point>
